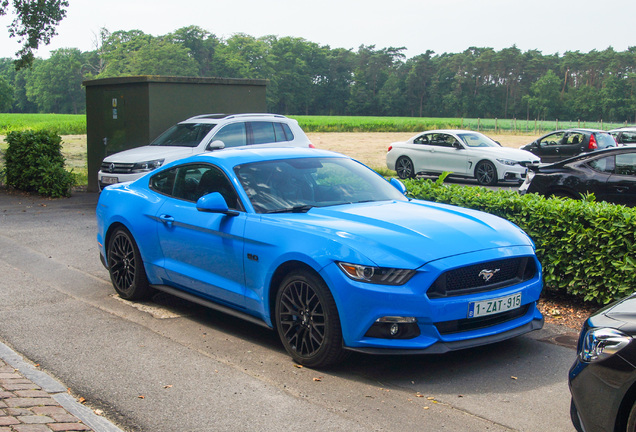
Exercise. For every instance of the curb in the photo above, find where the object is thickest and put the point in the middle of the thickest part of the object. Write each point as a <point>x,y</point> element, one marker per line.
<point>56,391</point>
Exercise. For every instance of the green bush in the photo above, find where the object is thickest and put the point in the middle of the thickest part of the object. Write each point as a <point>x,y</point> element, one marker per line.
<point>33,162</point>
<point>586,248</point>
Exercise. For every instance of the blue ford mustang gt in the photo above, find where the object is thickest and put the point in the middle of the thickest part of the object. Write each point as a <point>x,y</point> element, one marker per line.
<point>322,249</point>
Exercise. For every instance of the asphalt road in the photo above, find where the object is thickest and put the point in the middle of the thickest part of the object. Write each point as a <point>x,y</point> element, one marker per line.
<point>169,365</point>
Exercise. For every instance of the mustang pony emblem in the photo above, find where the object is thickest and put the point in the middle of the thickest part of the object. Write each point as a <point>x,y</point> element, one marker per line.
<point>487,274</point>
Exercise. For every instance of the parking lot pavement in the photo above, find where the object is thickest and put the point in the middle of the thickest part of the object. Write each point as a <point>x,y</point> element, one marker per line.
<point>32,401</point>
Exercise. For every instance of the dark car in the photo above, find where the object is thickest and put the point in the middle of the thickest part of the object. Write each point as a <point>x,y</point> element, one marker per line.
<point>609,174</point>
<point>603,377</point>
<point>564,144</point>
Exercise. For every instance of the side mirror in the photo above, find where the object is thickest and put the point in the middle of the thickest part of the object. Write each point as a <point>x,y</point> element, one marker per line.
<point>458,146</point>
<point>214,203</point>
<point>216,145</point>
<point>398,185</point>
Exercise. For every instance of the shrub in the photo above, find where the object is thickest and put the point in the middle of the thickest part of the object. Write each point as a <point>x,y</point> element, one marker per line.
<point>34,163</point>
<point>586,248</point>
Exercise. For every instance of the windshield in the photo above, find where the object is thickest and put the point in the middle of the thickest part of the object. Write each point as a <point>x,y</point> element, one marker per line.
<point>297,185</point>
<point>183,135</point>
<point>477,140</point>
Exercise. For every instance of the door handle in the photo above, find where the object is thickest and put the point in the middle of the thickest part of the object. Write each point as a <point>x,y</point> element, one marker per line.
<point>621,189</point>
<point>167,219</point>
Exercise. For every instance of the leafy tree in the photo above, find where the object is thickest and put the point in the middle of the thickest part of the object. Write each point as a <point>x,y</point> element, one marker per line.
<point>544,96</point>
<point>34,24</point>
<point>55,85</point>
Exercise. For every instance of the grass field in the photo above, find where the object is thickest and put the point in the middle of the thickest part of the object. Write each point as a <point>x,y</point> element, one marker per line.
<point>69,124</point>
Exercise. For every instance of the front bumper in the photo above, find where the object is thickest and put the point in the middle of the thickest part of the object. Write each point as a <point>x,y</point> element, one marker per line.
<point>106,179</point>
<point>443,322</point>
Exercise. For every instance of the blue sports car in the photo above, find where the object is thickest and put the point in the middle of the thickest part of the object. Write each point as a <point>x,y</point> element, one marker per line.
<point>322,249</point>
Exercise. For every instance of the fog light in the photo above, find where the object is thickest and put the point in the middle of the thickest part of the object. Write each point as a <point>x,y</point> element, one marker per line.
<point>394,327</point>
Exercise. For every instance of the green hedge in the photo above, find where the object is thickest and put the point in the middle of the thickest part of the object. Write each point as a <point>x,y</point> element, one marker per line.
<point>587,248</point>
<point>34,163</point>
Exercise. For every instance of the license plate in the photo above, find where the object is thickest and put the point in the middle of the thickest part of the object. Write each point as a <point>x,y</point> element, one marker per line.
<point>493,306</point>
<point>109,180</point>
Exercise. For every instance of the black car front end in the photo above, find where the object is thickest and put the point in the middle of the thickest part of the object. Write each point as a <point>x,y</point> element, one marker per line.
<point>602,378</point>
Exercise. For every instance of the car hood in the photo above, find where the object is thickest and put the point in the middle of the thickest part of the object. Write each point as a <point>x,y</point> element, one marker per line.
<point>508,153</point>
<point>410,234</point>
<point>147,153</point>
<point>620,315</point>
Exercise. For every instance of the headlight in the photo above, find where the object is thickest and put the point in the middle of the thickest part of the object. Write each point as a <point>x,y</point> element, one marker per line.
<point>507,162</point>
<point>602,343</point>
<point>376,275</point>
<point>147,166</point>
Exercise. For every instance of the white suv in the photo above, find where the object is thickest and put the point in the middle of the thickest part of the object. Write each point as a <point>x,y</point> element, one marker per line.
<point>198,134</point>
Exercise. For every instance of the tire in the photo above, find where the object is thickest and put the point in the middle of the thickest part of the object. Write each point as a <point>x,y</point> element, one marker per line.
<point>404,168</point>
<point>486,173</point>
<point>126,267</point>
<point>631,420</point>
<point>307,321</point>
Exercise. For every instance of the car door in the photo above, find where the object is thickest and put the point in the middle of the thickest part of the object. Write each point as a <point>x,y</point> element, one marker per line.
<point>203,252</point>
<point>436,153</point>
<point>549,147</point>
<point>620,187</point>
<point>572,144</point>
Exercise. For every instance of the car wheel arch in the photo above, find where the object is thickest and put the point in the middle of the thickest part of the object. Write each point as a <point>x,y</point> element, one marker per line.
<point>625,408</point>
<point>277,278</point>
<point>109,233</point>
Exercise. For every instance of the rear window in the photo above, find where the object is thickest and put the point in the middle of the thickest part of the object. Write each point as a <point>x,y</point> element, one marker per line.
<point>604,140</point>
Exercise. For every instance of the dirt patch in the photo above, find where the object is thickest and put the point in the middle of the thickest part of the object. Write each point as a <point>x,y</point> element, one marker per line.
<point>370,147</point>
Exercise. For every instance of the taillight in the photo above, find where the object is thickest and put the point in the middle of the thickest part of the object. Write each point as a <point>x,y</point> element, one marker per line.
<point>311,145</point>
<point>592,145</point>
<point>390,147</point>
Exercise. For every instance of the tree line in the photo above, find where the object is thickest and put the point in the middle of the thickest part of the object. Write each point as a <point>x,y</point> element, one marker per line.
<point>306,78</point>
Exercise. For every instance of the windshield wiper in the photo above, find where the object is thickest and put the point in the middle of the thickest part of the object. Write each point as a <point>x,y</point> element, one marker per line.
<point>296,209</point>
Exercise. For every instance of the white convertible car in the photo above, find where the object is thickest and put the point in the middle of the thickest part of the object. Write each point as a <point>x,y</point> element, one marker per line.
<point>461,152</point>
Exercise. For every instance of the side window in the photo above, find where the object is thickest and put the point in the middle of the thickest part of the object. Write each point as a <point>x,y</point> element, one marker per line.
<point>605,164</point>
<point>214,180</point>
<point>574,138</point>
<point>626,164</point>
<point>163,182</point>
<point>443,140</point>
<point>283,132</point>
<point>262,133</point>
<point>232,135</point>
<point>190,182</point>
<point>628,138</point>
<point>552,139</point>
<point>422,139</point>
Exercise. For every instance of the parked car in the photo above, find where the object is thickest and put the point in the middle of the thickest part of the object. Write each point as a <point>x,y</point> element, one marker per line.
<point>198,134</point>
<point>624,136</point>
<point>322,249</point>
<point>564,144</point>
<point>603,377</point>
<point>610,174</point>
<point>463,153</point>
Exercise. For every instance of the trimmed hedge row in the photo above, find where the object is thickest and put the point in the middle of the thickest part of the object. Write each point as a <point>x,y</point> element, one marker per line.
<point>587,248</point>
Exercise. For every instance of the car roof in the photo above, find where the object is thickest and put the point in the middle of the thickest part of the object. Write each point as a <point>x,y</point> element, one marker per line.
<point>624,129</point>
<point>594,154</point>
<point>451,131</point>
<point>215,118</point>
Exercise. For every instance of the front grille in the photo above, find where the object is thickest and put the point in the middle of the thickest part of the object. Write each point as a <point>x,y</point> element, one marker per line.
<point>116,168</point>
<point>468,324</point>
<point>482,277</point>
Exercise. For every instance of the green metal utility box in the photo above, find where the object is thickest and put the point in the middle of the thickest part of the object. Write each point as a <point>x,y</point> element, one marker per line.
<point>128,112</point>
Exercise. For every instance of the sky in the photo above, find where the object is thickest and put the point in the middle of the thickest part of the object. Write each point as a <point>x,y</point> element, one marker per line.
<point>442,26</point>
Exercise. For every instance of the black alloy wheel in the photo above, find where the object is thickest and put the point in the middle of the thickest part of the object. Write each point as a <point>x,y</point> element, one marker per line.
<point>404,168</point>
<point>307,320</point>
<point>486,173</point>
<point>126,267</point>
